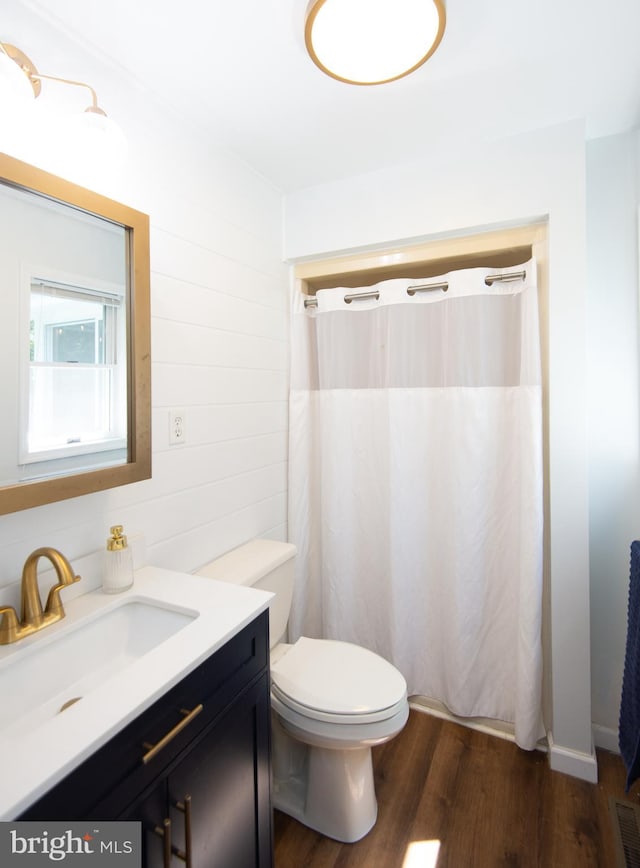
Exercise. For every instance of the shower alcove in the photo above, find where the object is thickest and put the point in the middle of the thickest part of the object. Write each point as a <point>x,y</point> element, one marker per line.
<point>497,249</point>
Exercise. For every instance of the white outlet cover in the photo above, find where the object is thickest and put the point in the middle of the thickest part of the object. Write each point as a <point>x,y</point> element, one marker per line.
<point>177,429</point>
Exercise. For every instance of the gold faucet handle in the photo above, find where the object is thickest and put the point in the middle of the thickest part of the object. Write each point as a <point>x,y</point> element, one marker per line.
<point>9,625</point>
<point>54,603</point>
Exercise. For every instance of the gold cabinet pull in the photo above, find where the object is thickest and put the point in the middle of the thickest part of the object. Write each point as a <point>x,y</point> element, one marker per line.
<point>164,741</point>
<point>164,832</point>
<point>185,807</point>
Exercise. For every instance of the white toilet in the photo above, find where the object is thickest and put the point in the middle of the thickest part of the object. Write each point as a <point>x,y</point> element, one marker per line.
<point>332,701</point>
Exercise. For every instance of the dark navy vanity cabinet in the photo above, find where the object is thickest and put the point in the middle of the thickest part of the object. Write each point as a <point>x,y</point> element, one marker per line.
<point>194,768</point>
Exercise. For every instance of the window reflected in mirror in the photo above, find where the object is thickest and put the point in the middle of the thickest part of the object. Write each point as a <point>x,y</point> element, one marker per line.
<point>77,367</point>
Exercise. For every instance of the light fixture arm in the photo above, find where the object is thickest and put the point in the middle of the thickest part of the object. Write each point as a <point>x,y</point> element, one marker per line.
<point>36,77</point>
<point>94,107</point>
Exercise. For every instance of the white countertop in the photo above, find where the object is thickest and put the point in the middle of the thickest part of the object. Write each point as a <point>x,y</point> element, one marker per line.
<point>34,760</point>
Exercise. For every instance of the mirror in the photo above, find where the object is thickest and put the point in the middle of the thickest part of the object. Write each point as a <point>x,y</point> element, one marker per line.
<point>75,340</point>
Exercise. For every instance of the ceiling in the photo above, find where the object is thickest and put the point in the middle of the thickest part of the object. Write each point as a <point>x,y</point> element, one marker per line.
<point>239,69</point>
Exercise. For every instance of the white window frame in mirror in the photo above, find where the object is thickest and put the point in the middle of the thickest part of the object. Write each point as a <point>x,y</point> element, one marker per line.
<point>73,448</point>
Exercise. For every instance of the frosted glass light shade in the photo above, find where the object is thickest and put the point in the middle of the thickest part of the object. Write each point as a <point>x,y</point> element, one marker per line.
<point>83,146</point>
<point>98,137</point>
<point>373,41</point>
<point>16,90</point>
<point>17,101</point>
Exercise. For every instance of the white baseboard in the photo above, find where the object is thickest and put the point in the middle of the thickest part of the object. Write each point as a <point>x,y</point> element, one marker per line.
<point>498,728</point>
<point>482,724</point>
<point>606,738</point>
<point>572,762</point>
<point>561,759</point>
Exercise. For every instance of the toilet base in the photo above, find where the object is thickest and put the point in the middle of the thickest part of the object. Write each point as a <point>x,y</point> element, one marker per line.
<point>328,790</point>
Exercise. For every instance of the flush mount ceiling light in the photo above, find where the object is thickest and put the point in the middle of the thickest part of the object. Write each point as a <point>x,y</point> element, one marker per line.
<point>21,83</point>
<point>372,41</point>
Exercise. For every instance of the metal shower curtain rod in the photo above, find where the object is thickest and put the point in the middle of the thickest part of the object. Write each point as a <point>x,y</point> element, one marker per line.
<point>507,277</point>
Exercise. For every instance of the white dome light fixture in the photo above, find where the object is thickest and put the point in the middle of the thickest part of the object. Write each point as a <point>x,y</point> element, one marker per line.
<point>373,41</point>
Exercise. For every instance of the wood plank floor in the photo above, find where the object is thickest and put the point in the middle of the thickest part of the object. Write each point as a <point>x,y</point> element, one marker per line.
<point>488,803</point>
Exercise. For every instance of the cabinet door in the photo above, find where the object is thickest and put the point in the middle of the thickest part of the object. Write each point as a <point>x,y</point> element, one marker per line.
<point>152,812</point>
<point>219,795</point>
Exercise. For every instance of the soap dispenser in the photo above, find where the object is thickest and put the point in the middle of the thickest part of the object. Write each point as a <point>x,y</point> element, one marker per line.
<point>118,567</point>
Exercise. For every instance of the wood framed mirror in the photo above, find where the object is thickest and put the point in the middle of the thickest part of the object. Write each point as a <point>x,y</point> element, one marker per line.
<point>75,345</point>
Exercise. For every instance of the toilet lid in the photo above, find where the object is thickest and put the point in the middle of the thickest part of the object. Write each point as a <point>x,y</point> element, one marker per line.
<point>337,677</point>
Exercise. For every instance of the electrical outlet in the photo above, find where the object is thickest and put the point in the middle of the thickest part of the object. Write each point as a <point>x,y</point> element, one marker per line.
<point>177,431</point>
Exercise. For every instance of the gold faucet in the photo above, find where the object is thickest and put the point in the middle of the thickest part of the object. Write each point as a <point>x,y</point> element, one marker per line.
<point>32,617</point>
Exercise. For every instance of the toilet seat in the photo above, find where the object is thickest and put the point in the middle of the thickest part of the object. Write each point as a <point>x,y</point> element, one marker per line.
<point>337,682</point>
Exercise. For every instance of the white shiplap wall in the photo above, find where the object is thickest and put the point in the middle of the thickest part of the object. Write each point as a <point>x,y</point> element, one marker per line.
<point>219,305</point>
<point>220,332</point>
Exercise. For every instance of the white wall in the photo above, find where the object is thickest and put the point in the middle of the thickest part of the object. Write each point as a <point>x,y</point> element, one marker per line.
<point>614,435</point>
<point>482,186</point>
<point>219,339</point>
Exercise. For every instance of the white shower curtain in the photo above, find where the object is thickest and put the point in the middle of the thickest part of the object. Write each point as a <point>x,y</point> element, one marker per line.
<point>415,494</point>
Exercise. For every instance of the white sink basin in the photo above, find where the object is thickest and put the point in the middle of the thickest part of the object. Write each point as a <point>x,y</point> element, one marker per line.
<point>59,669</point>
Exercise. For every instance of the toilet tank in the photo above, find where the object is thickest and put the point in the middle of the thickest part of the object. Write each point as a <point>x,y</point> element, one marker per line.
<point>265,564</point>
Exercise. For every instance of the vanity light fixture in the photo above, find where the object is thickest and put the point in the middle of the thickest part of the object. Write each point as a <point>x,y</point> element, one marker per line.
<point>20,83</point>
<point>372,41</point>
